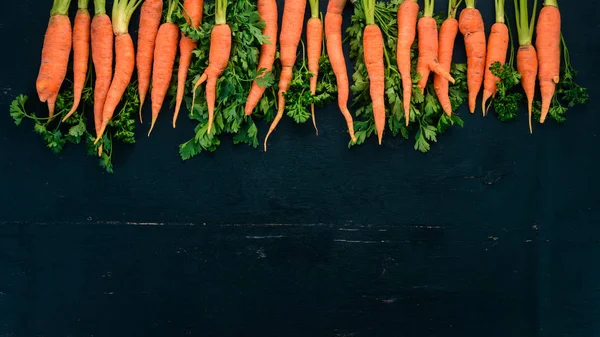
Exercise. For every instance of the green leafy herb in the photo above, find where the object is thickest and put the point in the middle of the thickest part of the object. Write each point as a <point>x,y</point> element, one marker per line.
<point>507,99</point>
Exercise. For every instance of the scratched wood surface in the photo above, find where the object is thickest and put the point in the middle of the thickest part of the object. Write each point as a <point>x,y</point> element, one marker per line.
<point>493,233</point>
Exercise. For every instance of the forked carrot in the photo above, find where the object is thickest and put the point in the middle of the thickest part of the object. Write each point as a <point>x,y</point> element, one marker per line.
<point>373,54</point>
<point>314,43</point>
<point>547,43</point>
<point>448,32</point>
<point>527,61</point>
<point>408,13</point>
<point>496,52</point>
<point>471,26</point>
<point>150,16</point>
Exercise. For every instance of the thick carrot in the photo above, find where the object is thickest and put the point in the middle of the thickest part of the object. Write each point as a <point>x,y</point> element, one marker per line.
<point>267,9</point>
<point>448,32</point>
<point>81,52</point>
<point>471,26</point>
<point>165,52</point>
<point>150,16</point>
<point>408,13</point>
<point>428,48</point>
<point>547,43</point>
<point>373,54</point>
<point>496,52</point>
<point>102,56</point>
<point>220,50</point>
<point>333,38</point>
<point>55,54</point>
<point>527,61</point>
<point>314,45</point>
<point>291,31</point>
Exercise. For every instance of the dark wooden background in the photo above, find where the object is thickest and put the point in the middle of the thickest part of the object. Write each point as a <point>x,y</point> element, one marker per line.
<point>493,233</point>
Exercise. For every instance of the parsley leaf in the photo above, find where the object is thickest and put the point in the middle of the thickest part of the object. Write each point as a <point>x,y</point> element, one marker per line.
<point>507,100</point>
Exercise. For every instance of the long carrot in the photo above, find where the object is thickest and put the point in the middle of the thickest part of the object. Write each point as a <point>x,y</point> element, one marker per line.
<point>373,54</point>
<point>102,56</point>
<point>125,59</point>
<point>220,50</point>
<point>527,62</point>
<point>547,43</point>
<point>291,31</point>
<point>448,32</point>
<point>81,52</point>
<point>165,52</point>
<point>471,26</point>
<point>55,54</point>
<point>428,47</point>
<point>333,38</point>
<point>150,16</point>
<point>314,45</point>
<point>408,13</point>
<point>193,8</point>
<point>267,9</point>
<point>496,52</point>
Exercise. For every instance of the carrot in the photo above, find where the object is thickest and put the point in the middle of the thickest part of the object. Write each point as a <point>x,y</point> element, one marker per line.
<point>333,38</point>
<point>547,43</point>
<point>150,16</point>
<point>81,52</point>
<point>407,30</point>
<point>496,52</point>
<point>55,54</point>
<point>373,54</point>
<point>102,56</point>
<point>471,26</point>
<point>448,32</point>
<point>291,31</point>
<point>125,59</point>
<point>527,62</point>
<point>165,51</point>
<point>314,45</point>
<point>428,48</point>
<point>220,50</point>
<point>267,9</point>
<point>193,8</point>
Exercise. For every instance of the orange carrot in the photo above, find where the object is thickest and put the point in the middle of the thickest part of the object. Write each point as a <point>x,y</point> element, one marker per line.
<point>373,54</point>
<point>471,26</point>
<point>428,48</point>
<point>81,53</point>
<point>193,8</point>
<point>55,54</point>
<point>333,38</point>
<point>527,61</point>
<point>150,16</point>
<point>267,9</point>
<point>314,45</point>
<point>291,31</point>
<point>448,33</point>
<point>496,52</point>
<point>548,48</point>
<point>220,50</point>
<point>407,29</point>
<point>165,51</point>
<point>102,56</point>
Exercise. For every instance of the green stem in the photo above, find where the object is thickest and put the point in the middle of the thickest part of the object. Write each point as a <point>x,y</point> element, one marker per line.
<point>221,12</point>
<point>171,8</point>
<point>470,3</point>
<point>314,8</point>
<point>511,59</point>
<point>60,7</point>
<point>453,7</point>
<point>551,3</point>
<point>525,26</point>
<point>369,8</point>
<point>428,10</point>
<point>499,11</point>
<point>83,4</point>
<point>99,7</point>
<point>121,15</point>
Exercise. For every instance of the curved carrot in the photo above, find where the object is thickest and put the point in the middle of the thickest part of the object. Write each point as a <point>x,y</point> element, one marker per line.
<point>407,29</point>
<point>314,45</point>
<point>496,52</point>
<point>448,32</point>
<point>471,26</point>
<point>150,16</point>
<point>102,56</point>
<point>548,48</point>
<point>527,61</point>
<point>373,54</point>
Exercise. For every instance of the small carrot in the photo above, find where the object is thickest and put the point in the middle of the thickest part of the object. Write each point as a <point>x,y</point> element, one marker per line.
<point>408,13</point>
<point>125,59</point>
<point>165,52</point>
<point>220,51</point>
<point>267,9</point>
<point>547,43</point>
<point>81,52</point>
<point>102,56</point>
<point>150,16</point>
<point>333,38</point>
<point>291,31</point>
<point>55,54</point>
<point>193,8</point>
<point>373,54</point>
<point>428,48</point>
<point>471,26</point>
<point>448,32</point>
<point>527,61</point>
<point>314,43</point>
<point>496,52</point>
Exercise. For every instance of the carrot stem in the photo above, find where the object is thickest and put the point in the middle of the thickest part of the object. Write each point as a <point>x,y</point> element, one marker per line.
<point>60,7</point>
<point>551,3</point>
<point>470,3</point>
<point>221,12</point>
<point>525,26</point>
<point>499,11</point>
<point>428,10</point>
<point>99,7</point>
<point>121,15</point>
<point>369,8</point>
<point>172,5</point>
<point>83,4</point>
<point>511,58</point>
<point>314,8</point>
<point>453,8</point>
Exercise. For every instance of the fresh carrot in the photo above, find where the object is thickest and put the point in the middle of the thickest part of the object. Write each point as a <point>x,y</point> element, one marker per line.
<point>150,16</point>
<point>471,26</point>
<point>125,59</point>
<point>220,50</point>
<point>408,13</point>
<point>333,38</point>
<point>267,9</point>
<point>373,54</point>
<point>527,61</point>
<point>55,54</point>
<point>291,31</point>
<point>547,43</point>
<point>428,48</point>
<point>81,52</point>
<point>102,56</point>
<point>448,32</point>
<point>496,52</point>
<point>165,52</point>
<point>314,45</point>
<point>193,15</point>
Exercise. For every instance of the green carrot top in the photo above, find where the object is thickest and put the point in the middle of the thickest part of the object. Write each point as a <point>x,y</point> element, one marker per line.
<point>221,12</point>
<point>551,3</point>
<point>83,4</point>
<point>525,26</point>
<point>470,3</point>
<point>453,7</point>
<point>121,15</point>
<point>499,11</point>
<point>99,7</point>
<point>428,10</point>
<point>369,8</point>
<point>60,7</point>
<point>172,5</point>
<point>314,8</point>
